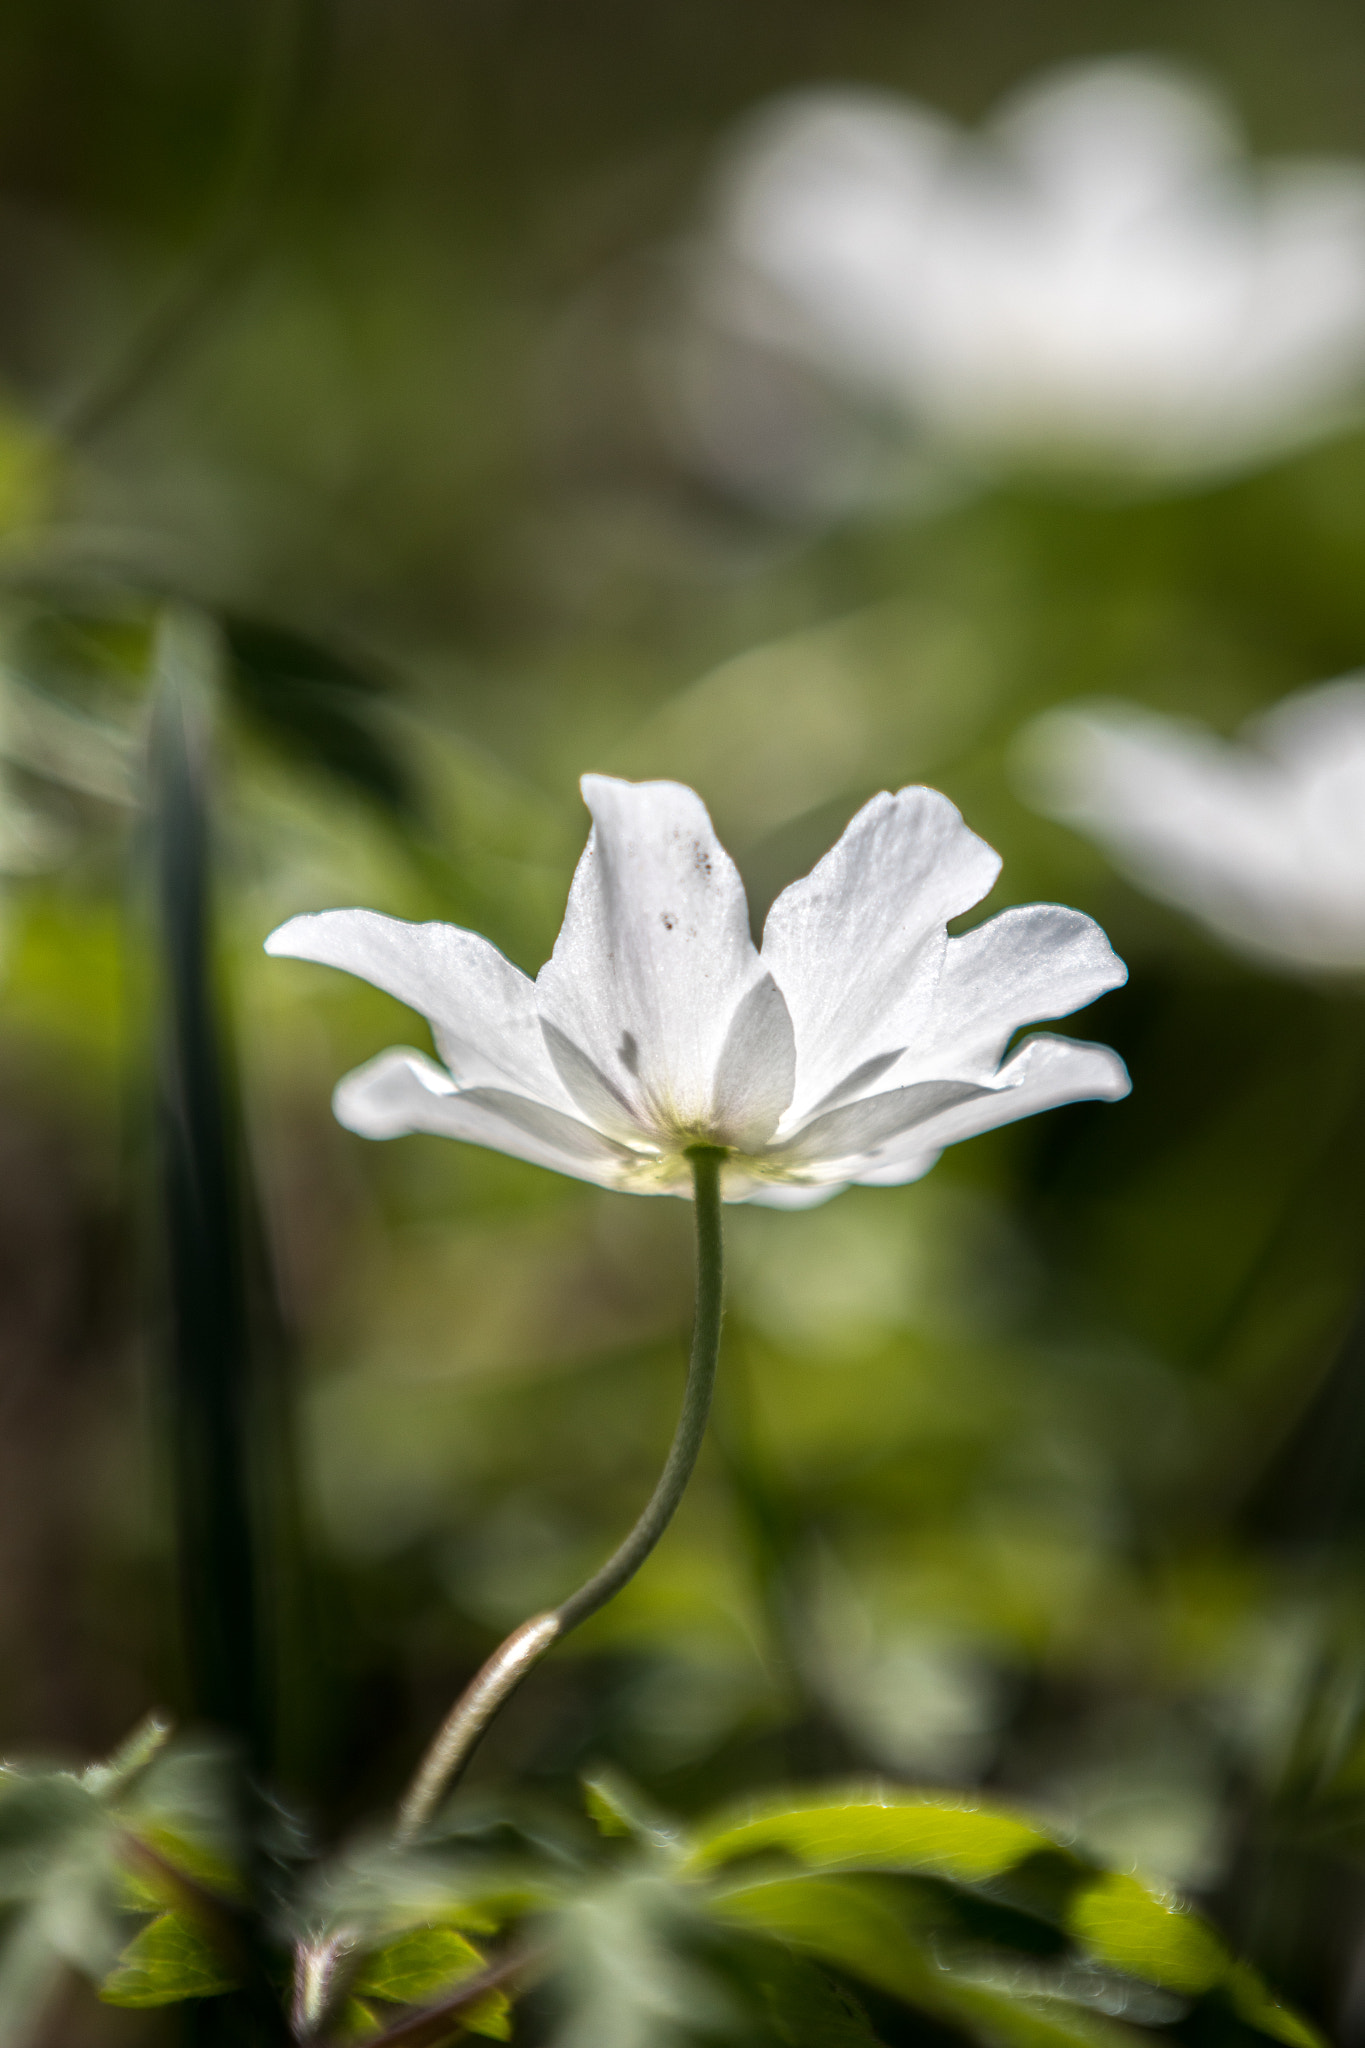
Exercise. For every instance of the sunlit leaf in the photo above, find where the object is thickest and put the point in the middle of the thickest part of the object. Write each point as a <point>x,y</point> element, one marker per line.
<point>182,1807</point>
<point>492,2017</point>
<point>1123,1923</point>
<point>417,1966</point>
<point>863,1829</point>
<point>856,1924</point>
<point>171,1959</point>
<point>421,1965</point>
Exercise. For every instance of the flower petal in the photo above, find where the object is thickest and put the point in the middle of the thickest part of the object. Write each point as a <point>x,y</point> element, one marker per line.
<point>1264,844</point>
<point>856,946</point>
<point>482,1009</point>
<point>858,1129</point>
<point>756,1071</point>
<point>789,1194</point>
<point>1044,1073</point>
<point>1038,961</point>
<point>401,1091</point>
<point>655,959</point>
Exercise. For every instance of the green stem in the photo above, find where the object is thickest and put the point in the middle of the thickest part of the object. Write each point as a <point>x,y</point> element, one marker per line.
<point>208,1335</point>
<point>526,1645</point>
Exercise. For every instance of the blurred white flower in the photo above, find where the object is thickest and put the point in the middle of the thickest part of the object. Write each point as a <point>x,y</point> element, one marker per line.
<point>854,1047</point>
<point>1261,838</point>
<point>1102,277</point>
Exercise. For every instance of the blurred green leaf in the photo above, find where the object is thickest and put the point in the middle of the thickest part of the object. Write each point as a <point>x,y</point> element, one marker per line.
<point>629,1971</point>
<point>417,1965</point>
<point>321,708</point>
<point>797,2004</point>
<point>864,1829</point>
<point>1120,1921</point>
<point>617,1808</point>
<point>860,1926</point>
<point>182,1806</point>
<point>42,1815</point>
<point>421,1965</point>
<point>1254,2003</point>
<point>171,1959</point>
<point>605,1810</point>
<point>132,1757</point>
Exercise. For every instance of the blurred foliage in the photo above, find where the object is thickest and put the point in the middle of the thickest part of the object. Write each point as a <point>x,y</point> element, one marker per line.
<point>728,1931</point>
<point>1044,1474</point>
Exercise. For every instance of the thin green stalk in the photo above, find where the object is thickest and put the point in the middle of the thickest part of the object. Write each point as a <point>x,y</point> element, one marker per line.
<point>210,1385</point>
<point>525,1647</point>
<point>208,1336</point>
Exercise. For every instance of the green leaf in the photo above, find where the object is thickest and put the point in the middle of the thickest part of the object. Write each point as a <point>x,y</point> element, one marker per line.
<point>421,1966</point>
<point>616,1808</point>
<point>492,2017</point>
<point>417,1966</point>
<point>356,2022</point>
<point>320,707</point>
<point>798,2006</point>
<point>604,1811</point>
<point>171,1959</point>
<point>863,1927</point>
<point>844,1920</point>
<point>1254,2004</point>
<point>43,1817</point>
<point>874,1829</point>
<point>1147,1933</point>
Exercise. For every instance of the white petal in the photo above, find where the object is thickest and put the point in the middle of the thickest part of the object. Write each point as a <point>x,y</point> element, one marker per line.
<point>1038,961</point>
<point>401,1091</point>
<point>901,1172</point>
<point>1043,1074</point>
<point>856,946</point>
<point>482,1010</point>
<point>654,962</point>
<point>789,1194</point>
<point>756,1071</point>
<point>1267,848</point>
<point>860,1129</point>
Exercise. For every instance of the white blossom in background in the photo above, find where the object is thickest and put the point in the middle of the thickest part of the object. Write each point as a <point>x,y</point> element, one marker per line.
<point>1261,838</point>
<point>854,1046</point>
<point>1101,276</point>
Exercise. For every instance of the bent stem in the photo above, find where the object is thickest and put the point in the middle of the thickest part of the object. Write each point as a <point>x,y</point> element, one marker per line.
<point>526,1645</point>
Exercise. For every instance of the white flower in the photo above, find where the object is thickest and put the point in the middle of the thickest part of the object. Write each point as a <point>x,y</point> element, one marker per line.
<point>858,1043</point>
<point>1100,277</point>
<point>1262,839</point>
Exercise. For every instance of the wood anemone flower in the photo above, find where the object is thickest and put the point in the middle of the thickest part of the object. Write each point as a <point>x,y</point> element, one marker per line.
<point>1102,277</point>
<point>856,1044</point>
<point>1261,838</point>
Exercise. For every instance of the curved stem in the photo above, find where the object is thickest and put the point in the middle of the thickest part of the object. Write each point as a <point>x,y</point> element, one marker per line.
<point>526,1645</point>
